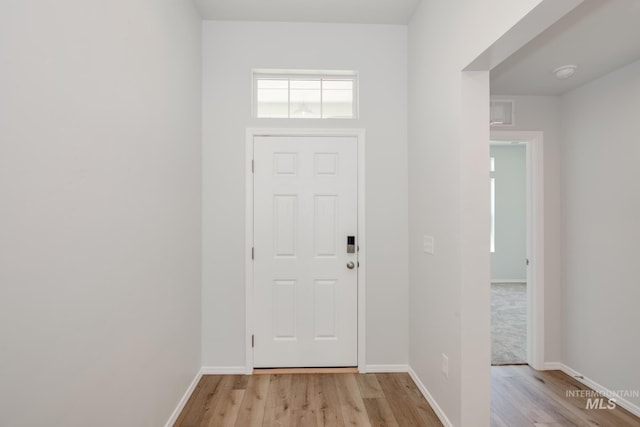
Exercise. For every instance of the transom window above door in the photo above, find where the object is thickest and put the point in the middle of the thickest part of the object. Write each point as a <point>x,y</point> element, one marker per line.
<point>305,94</point>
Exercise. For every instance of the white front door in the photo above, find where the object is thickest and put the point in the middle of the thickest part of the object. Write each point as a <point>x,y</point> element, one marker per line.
<point>305,275</point>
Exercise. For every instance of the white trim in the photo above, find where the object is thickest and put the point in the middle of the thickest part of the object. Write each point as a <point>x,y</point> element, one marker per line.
<point>185,398</point>
<point>434,405</point>
<point>224,370</point>
<point>508,281</point>
<point>535,239</point>
<point>362,253</point>
<point>248,251</point>
<point>631,407</point>
<point>249,136</point>
<point>387,368</point>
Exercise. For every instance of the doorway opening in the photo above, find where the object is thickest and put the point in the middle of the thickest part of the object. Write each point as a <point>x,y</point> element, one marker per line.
<point>517,322</point>
<point>509,302</point>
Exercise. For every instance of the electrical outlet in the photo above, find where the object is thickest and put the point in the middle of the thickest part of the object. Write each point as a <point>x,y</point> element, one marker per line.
<point>445,365</point>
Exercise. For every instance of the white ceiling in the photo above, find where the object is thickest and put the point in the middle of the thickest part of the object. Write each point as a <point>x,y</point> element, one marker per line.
<point>598,36</point>
<point>341,11</point>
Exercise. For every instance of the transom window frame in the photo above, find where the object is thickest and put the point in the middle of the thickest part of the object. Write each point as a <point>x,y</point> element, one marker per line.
<point>305,75</point>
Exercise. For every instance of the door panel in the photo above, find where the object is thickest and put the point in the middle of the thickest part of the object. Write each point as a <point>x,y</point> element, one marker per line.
<point>305,206</point>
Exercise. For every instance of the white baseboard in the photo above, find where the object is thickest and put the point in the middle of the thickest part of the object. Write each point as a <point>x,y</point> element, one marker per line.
<point>185,398</point>
<point>224,370</point>
<point>631,407</point>
<point>434,405</point>
<point>386,368</point>
<point>552,366</point>
<point>499,281</point>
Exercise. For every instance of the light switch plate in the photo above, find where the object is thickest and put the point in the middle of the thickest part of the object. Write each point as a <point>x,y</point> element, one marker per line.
<point>428,244</point>
<point>445,365</point>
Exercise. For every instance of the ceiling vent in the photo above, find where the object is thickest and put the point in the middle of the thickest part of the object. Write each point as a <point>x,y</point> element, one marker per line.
<point>502,113</point>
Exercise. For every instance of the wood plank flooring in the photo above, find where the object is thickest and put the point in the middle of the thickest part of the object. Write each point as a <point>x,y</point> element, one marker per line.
<point>524,397</point>
<point>307,400</point>
<point>520,397</point>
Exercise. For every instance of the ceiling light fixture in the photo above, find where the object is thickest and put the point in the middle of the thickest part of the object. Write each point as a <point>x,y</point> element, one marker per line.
<point>565,71</point>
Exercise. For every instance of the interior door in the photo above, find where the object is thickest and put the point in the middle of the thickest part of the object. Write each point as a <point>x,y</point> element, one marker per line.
<point>305,260</point>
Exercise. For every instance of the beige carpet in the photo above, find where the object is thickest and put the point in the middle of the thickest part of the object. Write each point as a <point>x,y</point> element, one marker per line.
<point>508,323</point>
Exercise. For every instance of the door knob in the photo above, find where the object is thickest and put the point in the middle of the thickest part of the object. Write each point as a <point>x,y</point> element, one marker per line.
<point>350,265</point>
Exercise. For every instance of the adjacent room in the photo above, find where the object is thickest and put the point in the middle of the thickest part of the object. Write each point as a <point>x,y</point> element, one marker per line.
<point>509,300</point>
<point>575,87</point>
<point>244,212</point>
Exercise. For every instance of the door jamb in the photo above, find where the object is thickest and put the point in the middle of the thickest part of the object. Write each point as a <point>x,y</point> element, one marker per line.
<point>249,310</point>
<point>535,239</point>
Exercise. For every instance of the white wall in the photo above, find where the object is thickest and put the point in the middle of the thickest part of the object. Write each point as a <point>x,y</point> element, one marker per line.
<point>508,260</point>
<point>601,206</point>
<point>542,113</point>
<point>99,211</point>
<point>378,53</point>
<point>448,193</point>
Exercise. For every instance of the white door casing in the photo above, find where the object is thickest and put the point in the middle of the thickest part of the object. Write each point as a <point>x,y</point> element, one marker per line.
<point>305,296</point>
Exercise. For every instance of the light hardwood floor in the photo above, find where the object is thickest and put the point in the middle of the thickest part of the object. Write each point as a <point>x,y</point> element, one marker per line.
<point>524,397</point>
<point>520,397</point>
<point>307,400</point>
